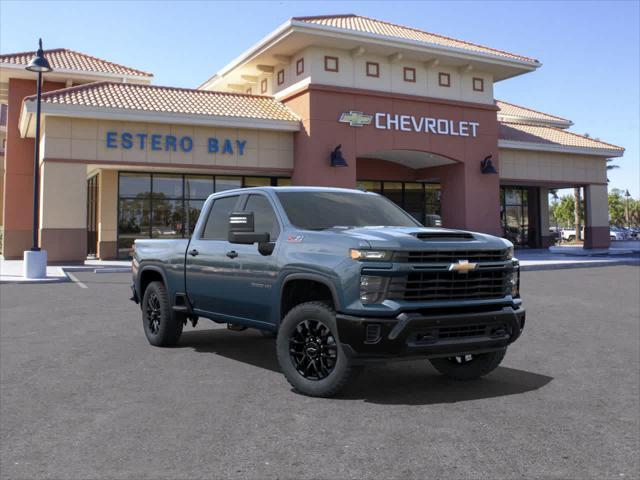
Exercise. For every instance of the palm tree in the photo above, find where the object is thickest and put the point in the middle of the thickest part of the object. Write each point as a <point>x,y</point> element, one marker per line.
<point>611,167</point>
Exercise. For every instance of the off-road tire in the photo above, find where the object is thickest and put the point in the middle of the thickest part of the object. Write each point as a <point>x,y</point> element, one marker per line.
<point>480,365</point>
<point>166,331</point>
<point>343,370</point>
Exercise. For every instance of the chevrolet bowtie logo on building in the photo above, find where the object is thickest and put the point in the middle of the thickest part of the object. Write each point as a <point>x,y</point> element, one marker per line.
<point>356,119</point>
<point>463,266</point>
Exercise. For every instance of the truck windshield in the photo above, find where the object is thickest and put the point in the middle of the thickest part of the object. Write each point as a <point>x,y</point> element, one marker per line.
<point>322,210</point>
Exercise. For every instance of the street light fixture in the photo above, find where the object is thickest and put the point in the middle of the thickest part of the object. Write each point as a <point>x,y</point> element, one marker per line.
<point>626,208</point>
<point>35,260</point>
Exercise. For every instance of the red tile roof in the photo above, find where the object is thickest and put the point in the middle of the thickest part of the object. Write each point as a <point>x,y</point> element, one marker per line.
<point>544,135</point>
<point>152,98</point>
<point>370,25</point>
<point>65,59</point>
<point>513,110</point>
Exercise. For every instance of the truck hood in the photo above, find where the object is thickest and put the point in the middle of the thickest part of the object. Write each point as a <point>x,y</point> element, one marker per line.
<point>416,238</point>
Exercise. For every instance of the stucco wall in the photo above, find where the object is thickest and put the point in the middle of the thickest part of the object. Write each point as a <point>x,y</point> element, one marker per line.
<point>85,140</point>
<point>551,167</point>
<point>352,73</point>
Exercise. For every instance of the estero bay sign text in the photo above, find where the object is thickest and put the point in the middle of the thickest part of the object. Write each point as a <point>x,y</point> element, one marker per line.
<point>171,143</point>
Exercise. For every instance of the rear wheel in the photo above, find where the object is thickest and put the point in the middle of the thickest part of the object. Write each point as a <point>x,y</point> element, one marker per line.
<point>468,367</point>
<point>309,352</point>
<point>161,325</point>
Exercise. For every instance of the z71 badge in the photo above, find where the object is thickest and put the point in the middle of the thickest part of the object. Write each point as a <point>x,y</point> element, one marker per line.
<point>295,238</point>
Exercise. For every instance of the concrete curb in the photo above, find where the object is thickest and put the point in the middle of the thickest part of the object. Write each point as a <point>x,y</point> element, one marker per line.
<point>113,270</point>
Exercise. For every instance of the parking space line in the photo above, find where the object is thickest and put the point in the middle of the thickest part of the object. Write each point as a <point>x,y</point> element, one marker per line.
<point>75,280</point>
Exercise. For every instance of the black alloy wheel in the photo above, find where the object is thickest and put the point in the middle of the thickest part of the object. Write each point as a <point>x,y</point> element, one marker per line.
<point>154,313</point>
<point>313,349</point>
<point>162,326</point>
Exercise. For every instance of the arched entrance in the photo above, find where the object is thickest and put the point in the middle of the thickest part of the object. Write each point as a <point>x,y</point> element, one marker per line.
<point>409,178</point>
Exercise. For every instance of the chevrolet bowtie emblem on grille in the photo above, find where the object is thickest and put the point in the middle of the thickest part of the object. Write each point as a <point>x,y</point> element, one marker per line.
<point>356,119</point>
<point>463,266</point>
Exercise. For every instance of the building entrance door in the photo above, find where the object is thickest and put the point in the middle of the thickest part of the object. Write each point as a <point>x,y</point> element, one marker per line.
<point>520,216</point>
<point>92,216</point>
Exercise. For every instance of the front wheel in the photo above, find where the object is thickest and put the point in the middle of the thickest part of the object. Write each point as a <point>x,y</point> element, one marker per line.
<point>468,367</point>
<point>309,352</point>
<point>161,325</point>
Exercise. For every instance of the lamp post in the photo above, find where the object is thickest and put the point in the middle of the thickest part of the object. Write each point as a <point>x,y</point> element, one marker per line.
<point>35,260</point>
<point>626,207</point>
<point>555,214</point>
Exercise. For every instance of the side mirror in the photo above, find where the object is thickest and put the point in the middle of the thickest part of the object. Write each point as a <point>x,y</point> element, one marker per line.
<point>241,229</point>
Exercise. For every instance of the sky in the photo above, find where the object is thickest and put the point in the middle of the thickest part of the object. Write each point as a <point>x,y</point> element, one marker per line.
<point>590,51</point>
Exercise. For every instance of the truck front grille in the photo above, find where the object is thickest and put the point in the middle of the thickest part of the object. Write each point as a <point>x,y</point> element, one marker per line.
<point>445,285</point>
<point>451,256</point>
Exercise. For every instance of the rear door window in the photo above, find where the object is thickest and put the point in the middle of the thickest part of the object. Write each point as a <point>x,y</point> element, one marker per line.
<point>217,226</point>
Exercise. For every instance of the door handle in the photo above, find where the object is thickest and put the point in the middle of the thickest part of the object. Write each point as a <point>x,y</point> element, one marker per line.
<point>232,254</point>
<point>194,253</point>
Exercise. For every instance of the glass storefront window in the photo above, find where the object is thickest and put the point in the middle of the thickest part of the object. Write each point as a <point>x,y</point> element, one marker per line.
<point>228,183</point>
<point>515,213</point>
<point>135,184</point>
<point>167,218</point>
<point>414,200</point>
<point>432,199</point>
<point>375,187</point>
<point>393,191</point>
<point>198,187</point>
<point>134,216</point>
<point>167,186</point>
<point>256,182</point>
<point>160,205</point>
<point>283,182</point>
<point>417,198</point>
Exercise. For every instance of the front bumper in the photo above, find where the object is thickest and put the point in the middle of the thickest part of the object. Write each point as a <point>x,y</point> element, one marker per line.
<point>416,334</point>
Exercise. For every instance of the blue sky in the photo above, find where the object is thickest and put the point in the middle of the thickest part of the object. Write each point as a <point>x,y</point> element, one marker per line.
<point>589,50</point>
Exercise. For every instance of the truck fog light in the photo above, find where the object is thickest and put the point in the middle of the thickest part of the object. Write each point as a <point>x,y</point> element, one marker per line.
<point>372,288</point>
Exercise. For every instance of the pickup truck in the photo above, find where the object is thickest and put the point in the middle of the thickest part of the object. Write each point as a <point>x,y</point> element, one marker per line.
<point>341,277</point>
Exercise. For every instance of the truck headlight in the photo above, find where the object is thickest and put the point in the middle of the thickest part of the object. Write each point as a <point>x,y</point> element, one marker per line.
<point>380,255</point>
<point>514,283</point>
<point>510,253</point>
<point>372,288</point>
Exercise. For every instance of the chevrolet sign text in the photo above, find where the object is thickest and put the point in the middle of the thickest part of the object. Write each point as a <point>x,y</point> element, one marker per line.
<point>410,123</point>
<point>438,126</point>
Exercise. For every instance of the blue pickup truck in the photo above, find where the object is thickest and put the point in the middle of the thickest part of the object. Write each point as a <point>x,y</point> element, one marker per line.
<point>341,277</point>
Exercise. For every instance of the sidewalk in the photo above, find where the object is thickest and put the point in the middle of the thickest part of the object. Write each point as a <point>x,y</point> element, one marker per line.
<point>11,270</point>
<point>543,259</point>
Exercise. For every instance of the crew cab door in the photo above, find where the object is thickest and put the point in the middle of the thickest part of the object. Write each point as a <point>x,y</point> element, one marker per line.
<point>255,273</point>
<point>207,266</point>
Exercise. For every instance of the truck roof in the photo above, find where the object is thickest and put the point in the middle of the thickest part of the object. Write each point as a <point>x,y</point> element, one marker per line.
<point>297,189</point>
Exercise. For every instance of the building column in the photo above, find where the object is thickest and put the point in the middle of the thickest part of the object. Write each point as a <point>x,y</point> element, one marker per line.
<point>18,173</point>
<point>108,215</point>
<point>546,239</point>
<point>596,216</point>
<point>63,211</point>
<point>469,200</point>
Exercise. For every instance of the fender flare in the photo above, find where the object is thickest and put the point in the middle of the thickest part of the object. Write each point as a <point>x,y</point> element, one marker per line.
<point>315,277</point>
<point>146,268</point>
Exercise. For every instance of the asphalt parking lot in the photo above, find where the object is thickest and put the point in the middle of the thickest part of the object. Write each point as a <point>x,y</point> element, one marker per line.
<point>84,396</point>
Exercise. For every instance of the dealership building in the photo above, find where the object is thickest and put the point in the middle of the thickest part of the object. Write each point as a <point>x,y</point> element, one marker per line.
<point>340,100</point>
